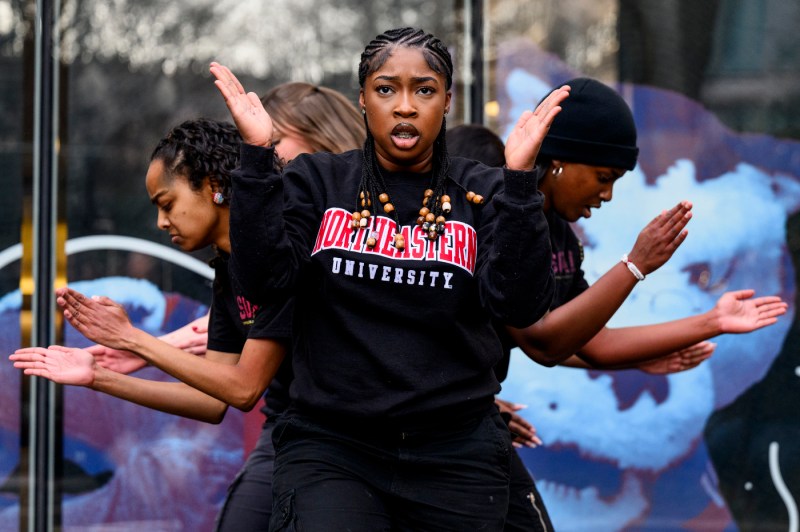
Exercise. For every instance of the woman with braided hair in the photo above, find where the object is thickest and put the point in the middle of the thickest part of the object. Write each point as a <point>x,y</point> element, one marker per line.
<point>189,181</point>
<point>398,258</point>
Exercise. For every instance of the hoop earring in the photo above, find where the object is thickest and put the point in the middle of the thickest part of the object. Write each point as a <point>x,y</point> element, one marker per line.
<point>218,198</point>
<point>558,171</point>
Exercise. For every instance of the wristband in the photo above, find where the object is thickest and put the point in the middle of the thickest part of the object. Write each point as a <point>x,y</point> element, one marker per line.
<point>632,267</point>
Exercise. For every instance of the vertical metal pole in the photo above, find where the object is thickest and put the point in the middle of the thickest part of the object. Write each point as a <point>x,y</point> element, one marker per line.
<point>476,89</point>
<point>42,510</point>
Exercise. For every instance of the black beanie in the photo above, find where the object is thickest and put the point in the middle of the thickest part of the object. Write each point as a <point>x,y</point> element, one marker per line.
<point>595,127</point>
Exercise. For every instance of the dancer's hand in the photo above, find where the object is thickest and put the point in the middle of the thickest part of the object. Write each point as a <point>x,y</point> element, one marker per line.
<point>523,432</point>
<point>660,238</point>
<point>249,115</point>
<point>192,338</point>
<point>64,365</point>
<point>678,361</point>
<point>739,312</point>
<point>98,318</point>
<point>526,138</point>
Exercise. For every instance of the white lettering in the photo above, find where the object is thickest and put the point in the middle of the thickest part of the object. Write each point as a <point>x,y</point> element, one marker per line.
<point>447,277</point>
<point>337,264</point>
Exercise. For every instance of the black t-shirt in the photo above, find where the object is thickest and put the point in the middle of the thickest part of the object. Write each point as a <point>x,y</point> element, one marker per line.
<point>233,319</point>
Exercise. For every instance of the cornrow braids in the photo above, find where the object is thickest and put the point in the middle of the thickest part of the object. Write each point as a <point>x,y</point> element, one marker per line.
<point>201,149</point>
<point>372,183</point>
<point>380,48</point>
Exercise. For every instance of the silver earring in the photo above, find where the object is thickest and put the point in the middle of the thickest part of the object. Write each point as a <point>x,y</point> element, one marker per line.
<point>218,198</point>
<point>557,171</point>
<point>363,110</point>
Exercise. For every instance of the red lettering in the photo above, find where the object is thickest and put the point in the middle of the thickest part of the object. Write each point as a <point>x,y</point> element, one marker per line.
<point>416,244</point>
<point>446,247</point>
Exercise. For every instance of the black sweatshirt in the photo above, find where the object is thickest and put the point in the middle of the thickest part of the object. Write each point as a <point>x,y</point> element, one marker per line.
<point>403,336</point>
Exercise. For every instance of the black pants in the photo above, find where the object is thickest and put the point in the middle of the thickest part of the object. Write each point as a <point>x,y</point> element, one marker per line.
<point>248,505</point>
<point>526,510</point>
<point>454,478</point>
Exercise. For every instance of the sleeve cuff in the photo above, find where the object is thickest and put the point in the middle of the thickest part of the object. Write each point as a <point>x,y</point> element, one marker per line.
<point>257,159</point>
<point>520,185</point>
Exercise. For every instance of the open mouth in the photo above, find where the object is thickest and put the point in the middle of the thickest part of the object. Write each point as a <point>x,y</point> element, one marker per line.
<point>405,136</point>
<point>587,210</point>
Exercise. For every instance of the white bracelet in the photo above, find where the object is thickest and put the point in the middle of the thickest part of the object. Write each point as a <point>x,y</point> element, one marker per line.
<point>632,267</point>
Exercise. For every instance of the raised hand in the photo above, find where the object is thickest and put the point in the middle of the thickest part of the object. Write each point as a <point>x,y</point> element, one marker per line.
<point>738,312</point>
<point>249,115</point>
<point>660,238</point>
<point>98,318</point>
<point>64,365</point>
<point>526,138</point>
<point>678,361</point>
<point>116,359</point>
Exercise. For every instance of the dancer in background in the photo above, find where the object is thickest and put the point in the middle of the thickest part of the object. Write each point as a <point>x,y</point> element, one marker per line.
<point>590,145</point>
<point>312,118</point>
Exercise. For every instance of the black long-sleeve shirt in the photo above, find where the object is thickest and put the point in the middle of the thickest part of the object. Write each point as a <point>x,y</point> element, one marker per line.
<point>379,332</point>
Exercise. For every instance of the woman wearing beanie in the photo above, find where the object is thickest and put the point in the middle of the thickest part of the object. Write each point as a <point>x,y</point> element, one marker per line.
<point>590,145</point>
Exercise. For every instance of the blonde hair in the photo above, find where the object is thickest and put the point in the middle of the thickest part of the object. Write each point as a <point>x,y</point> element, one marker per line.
<point>325,118</point>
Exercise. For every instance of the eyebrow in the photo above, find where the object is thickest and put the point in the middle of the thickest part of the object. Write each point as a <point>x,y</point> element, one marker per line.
<point>420,79</point>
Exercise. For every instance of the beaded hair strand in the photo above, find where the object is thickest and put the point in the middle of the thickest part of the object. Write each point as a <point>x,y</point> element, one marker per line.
<point>439,60</point>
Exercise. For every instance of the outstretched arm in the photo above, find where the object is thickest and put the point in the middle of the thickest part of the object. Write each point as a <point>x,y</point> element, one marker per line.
<point>736,312</point>
<point>192,338</point>
<point>564,330</point>
<point>78,367</point>
<point>682,360</point>
<point>240,385</point>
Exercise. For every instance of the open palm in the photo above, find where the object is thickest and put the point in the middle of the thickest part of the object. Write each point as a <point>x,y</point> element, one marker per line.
<point>526,138</point>
<point>64,365</point>
<point>247,111</point>
<point>739,312</point>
